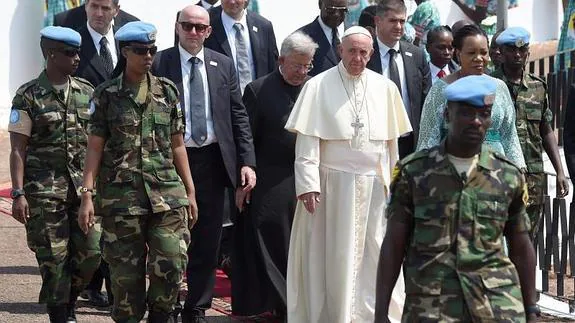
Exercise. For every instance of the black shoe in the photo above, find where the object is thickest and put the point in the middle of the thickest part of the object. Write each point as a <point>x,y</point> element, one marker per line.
<point>160,317</point>
<point>95,298</point>
<point>71,313</point>
<point>57,313</point>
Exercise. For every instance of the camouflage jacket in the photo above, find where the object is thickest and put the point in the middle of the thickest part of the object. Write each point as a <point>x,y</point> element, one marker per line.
<point>455,245</point>
<point>137,174</point>
<point>57,144</point>
<point>532,109</point>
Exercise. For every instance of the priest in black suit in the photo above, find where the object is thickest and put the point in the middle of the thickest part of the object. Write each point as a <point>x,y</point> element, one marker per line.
<point>403,63</point>
<point>218,140</point>
<point>76,17</point>
<point>261,240</point>
<point>326,30</point>
<point>253,49</point>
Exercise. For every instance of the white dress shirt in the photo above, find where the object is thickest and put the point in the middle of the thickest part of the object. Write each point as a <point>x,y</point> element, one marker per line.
<point>208,6</point>
<point>228,23</point>
<point>186,67</point>
<point>434,70</point>
<point>327,30</point>
<point>384,57</point>
<point>96,37</point>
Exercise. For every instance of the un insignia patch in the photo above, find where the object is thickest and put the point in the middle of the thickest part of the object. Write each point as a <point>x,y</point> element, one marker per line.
<point>92,108</point>
<point>14,116</point>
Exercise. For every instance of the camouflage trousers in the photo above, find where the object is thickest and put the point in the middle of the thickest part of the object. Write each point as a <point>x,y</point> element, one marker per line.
<point>66,256</point>
<point>136,244</point>
<point>536,188</point>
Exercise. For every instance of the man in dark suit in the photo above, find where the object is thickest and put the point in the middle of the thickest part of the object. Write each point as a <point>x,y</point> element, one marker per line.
<point>76,17</point>
<point>403,63</point>
<point>98,54</point>
<point>326,30</point>
<point>219,143</point>
<point>253,49</point>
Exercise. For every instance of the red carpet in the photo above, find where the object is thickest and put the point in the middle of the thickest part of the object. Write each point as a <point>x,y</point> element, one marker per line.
<point>222,294</point>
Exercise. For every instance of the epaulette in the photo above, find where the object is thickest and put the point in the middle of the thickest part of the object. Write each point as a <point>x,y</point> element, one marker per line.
<point>170,90</point>
<point>24,87</point>
<point>106,84</point>
<point>537,78</point>
<point>83,81</point>
<point>416,155</point>
<point>505,159</point>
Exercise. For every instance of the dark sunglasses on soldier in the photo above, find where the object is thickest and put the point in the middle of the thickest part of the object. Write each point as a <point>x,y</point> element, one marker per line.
<point>188,26</point>
<point>144,50</point>
<point>70,52</point>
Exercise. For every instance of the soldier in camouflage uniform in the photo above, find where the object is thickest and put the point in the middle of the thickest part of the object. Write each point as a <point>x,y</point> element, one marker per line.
<point>533,120</point>
<point>145,189</point>
<point>449,209</point>
<point>48,137</point>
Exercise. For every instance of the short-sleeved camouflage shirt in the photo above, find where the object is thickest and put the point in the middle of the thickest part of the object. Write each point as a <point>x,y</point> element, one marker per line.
<point>137,174</point>
<point>58,137</point>
<point>455,255</point>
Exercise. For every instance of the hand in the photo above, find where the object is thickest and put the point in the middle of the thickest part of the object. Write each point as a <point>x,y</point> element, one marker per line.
<point>562,185</point>
<point>248,178</point>
<point>20,210</point>
<point>86,218</point>
<point>243,197</point>
<point>192,211</point>
<point>310,201</point>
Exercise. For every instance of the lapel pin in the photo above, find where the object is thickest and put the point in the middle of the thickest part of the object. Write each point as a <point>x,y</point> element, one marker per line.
<point>255,29</point>
<point>213,63</point>
<point>408,54</point>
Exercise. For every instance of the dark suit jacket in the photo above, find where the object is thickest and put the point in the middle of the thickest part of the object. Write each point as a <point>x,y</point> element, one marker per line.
<point>262,39</point>
<point>91,66</point>
<point>417,76</point>
<point>324,57</point>
<point>231,122</point>
<point>569,133</point>
<point>76,18</point>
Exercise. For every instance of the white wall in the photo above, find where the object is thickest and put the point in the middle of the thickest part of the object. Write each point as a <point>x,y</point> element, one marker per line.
<point>21,20</point>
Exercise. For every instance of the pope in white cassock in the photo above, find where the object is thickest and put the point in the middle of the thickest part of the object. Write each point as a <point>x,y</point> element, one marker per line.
<point>347,121</point>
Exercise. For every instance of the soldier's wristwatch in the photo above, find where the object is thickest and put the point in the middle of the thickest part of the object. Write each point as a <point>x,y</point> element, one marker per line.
<point>16,193</point>
<point>83,189</point>
<point>533,309</point>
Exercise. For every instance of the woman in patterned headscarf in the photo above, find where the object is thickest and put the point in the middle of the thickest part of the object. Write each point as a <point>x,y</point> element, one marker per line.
<point>54,7</point>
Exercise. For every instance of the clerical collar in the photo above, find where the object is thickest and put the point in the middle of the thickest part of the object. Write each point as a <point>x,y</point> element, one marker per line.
<point>346,74</point>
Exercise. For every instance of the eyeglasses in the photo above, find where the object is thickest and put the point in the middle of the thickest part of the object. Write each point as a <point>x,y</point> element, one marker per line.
<point>143,50</point>
<point>69,52</point>
<point>188,26</point>
<point>336,10</point>
<point>300,67</point>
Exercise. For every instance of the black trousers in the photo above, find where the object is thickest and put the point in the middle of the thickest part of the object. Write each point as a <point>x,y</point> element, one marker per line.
<point>211,181</point>
<point>406,145</point>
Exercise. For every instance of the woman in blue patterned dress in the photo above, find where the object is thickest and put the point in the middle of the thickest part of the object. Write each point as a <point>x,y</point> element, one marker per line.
<point>470,44</point>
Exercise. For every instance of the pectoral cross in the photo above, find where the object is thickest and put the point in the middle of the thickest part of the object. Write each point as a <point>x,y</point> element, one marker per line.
<point>356,126</point>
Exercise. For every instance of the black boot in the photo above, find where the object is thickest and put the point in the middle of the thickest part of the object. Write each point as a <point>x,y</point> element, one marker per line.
<point>160,317</point>
<point>57,313</point>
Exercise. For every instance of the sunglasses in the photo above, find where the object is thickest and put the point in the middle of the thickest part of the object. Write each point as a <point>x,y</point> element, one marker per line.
<point>143,50</point>
<point>335,10</point>
<point>188,26</point>
<point>70,52</point>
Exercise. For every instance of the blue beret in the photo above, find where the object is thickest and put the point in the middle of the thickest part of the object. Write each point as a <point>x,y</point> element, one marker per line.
<point>62,34</point>
<point>137,31</point>
<point>517,36</point>
<point>477,90</point>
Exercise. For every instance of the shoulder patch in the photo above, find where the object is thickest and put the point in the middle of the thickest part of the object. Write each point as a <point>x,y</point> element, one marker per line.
<point>525,195</point>
<point>14,116</point>
<point>92,107</point>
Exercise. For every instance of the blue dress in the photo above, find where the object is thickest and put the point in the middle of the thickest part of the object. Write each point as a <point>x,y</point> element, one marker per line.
<point>501,136</point>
